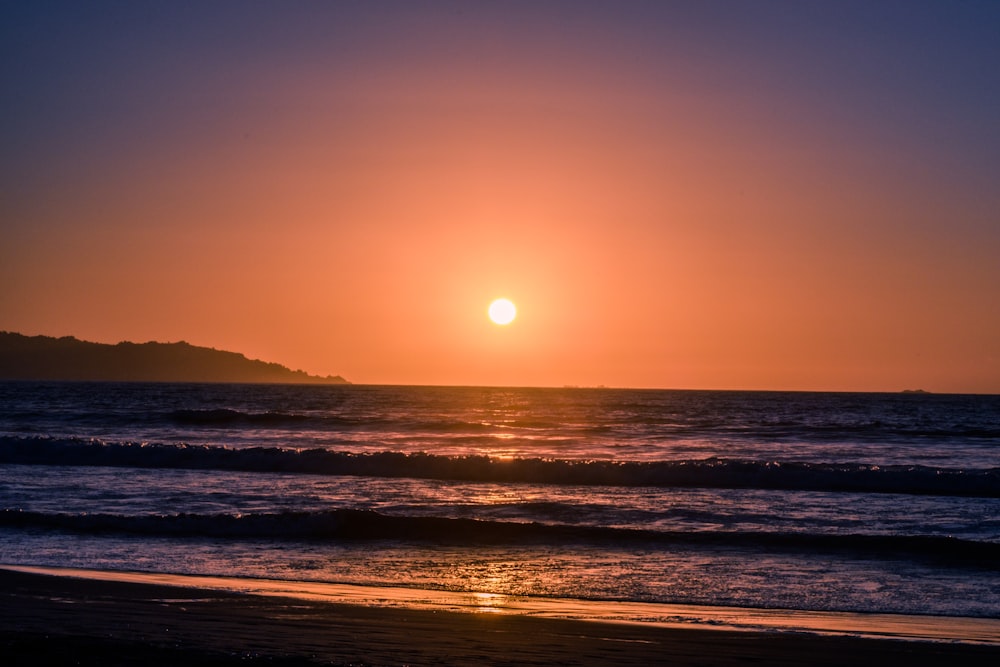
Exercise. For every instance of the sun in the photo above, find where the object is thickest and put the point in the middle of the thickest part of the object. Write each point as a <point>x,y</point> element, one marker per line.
<point>503,311</point>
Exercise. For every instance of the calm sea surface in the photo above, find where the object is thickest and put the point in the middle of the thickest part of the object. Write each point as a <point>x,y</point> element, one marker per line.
<point>854,502</point>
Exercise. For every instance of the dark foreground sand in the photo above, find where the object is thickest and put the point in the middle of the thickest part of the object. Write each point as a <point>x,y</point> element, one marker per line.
<point>68,621</point>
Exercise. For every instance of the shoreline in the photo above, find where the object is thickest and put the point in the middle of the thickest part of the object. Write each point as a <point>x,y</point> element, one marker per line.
<point>133,616</point>
<point>907,627</point>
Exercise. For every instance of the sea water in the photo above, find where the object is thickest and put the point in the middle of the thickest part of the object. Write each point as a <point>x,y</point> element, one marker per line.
<point>808,501</point>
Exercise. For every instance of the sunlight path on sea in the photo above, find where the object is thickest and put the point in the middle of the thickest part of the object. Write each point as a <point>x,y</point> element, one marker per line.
<point>886,626</point>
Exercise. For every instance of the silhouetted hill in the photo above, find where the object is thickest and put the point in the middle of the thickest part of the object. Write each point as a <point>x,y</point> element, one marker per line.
<point>46,358</point>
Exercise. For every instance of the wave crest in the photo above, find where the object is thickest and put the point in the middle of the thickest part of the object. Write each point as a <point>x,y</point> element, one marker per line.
<point>361,525</point>
<point>707,473</point>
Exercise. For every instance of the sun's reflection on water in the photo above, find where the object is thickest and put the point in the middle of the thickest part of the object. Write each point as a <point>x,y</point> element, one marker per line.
<point>489,603</point>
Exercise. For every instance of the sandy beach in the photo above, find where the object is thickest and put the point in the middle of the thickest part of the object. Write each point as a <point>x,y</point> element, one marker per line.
<point>48,619</point>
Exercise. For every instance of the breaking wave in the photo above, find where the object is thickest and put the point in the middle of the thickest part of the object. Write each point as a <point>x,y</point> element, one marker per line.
<point>708,473</point>
<point>361,525</point>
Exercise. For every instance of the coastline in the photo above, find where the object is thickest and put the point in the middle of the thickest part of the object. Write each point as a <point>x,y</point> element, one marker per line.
<point>211,620</point>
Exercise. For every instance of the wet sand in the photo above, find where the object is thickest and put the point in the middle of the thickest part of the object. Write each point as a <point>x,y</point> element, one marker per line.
<point>48,619</point>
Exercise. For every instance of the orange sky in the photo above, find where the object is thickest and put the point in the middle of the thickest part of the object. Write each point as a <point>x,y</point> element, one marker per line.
<point>672,198</point>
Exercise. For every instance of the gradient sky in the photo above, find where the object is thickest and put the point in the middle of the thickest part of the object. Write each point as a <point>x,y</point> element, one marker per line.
<point>756,195</point>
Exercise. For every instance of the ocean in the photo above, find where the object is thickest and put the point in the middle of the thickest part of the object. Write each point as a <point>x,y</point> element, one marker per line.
<point>886,503</point>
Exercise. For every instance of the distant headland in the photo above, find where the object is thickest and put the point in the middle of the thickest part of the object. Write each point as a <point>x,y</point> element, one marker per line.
<point>46,358</point>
